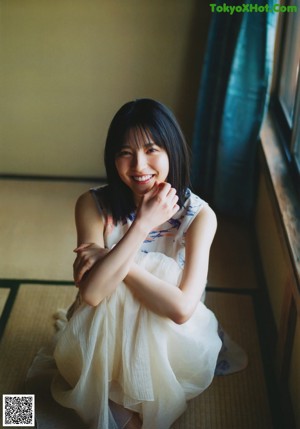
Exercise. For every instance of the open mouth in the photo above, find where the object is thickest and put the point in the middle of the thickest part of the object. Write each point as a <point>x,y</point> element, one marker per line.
<point>143,179</point>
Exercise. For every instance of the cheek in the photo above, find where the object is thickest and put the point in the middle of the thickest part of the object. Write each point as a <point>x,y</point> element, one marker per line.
<point>119,166</point>
<point>165,166</point>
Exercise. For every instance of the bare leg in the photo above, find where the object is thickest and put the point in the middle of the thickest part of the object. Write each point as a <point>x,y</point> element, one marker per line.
<point>125,418</point>
<point>134,422</point>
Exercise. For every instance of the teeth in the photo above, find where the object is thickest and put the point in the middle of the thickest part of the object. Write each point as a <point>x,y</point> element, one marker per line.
<point>142,178</point>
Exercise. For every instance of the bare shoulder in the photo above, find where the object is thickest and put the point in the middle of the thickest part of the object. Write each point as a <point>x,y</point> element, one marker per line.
<point>89,222</point>
<point>84,202</point>
<point>207,215</point>
<point>198,241</point>
<point>204,224</point>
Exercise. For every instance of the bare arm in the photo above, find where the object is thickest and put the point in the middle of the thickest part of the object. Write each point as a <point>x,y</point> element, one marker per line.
<point>179,303</point>
<point>103,275</point>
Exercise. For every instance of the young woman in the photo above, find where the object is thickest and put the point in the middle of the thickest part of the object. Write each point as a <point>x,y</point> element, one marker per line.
<point>139,341</point>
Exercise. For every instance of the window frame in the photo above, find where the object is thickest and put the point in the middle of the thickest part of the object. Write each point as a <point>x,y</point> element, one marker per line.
<point>286,132</point>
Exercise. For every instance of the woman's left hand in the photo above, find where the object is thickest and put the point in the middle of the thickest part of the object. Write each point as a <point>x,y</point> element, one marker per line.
<point>87,256</point>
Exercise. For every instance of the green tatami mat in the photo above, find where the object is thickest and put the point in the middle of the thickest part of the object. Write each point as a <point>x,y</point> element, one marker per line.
<point>237,401</point>
<point>29,327</point>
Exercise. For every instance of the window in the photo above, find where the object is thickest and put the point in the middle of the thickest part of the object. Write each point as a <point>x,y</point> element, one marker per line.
<point>286,96</point>
<point>296,141</point>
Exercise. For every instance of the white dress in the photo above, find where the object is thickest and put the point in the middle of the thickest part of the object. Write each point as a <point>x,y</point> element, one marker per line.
<point>122,352</point>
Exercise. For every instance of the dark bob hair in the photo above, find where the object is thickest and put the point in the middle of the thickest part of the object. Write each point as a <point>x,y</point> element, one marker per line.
<point>153,119</point>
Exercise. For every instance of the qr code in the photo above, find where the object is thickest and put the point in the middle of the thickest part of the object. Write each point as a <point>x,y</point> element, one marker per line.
<point>18,410</point>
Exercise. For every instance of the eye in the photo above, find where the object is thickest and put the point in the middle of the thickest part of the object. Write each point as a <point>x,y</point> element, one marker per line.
<point>152,149</point>
<point>123,153</point>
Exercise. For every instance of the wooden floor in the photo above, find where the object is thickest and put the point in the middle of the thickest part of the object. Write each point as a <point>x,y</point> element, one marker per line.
<point>38,235</point>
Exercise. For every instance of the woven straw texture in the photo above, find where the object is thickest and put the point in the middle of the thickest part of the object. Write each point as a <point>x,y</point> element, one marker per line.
<point>238,401</point>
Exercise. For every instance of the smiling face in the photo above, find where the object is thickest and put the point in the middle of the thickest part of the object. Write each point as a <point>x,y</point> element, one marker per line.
<point>144,144</point>
<point>141,162</point>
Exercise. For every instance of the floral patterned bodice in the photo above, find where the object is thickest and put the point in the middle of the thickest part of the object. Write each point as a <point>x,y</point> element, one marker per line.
<point>168,238</point>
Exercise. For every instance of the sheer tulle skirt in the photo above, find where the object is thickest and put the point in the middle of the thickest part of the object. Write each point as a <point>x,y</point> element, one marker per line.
<point>120,351</point>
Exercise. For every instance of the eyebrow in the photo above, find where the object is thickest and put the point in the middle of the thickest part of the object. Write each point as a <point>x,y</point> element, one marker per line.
<point>146,145</point>
<point>149,144</point>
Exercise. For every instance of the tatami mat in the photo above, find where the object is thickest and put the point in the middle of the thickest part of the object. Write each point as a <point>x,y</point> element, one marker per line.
<point>30,326</point>
<point>238,401</point>
<point>37,228</point>
<point>4,292</point>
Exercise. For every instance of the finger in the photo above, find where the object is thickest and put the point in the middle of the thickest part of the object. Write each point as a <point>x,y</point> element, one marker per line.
<point>174,199</point>
<point>82,271</point>
<point>76,275</point>
<point>175,209</point>
<point>78,266</point>
<point>82,247</point>
<point>152,192</point>
<point>171,194</point>
<point>164,189</point>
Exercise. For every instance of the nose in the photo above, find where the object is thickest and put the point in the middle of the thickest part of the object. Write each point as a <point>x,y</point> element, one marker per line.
<point>139,160</point>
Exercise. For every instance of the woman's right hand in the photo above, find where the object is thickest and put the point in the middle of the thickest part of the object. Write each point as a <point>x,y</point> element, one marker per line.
<point>87,256</point>
<point>157,206</point>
